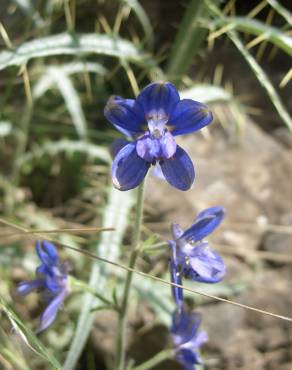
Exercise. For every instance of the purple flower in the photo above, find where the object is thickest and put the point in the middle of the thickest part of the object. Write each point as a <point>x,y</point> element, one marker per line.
<point>192,256</point>
<point>152,121</point>
<point>186,338</point>
<point>51,280</point>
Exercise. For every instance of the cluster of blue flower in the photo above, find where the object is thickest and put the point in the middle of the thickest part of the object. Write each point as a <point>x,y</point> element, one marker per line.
<point>51,281</point>
<point>151,122</point>
<point>192,258</point>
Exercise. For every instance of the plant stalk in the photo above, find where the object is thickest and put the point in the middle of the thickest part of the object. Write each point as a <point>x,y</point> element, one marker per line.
<point>122,319</point>
<point>155,360</point>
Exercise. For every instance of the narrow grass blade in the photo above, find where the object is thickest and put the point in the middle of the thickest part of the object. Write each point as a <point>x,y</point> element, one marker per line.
<point>143,18</point>
<point>27,7</point>
<point>28,336</point>
<point>45,82</point>
<point>258,71</point>
<point>53,148</point>
<point>206,94</point>
<point>281,10</point>
<point>71,98</point>
<point>68,44</point>
<point>257,28</point>
<point>116,213</point>
<point>263,80</point>
<point>187,41</point>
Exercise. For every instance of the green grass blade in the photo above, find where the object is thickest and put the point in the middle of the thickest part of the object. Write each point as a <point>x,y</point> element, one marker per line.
<point>257,28</point>
<point>28,336</point>
<point>67,44</point>
<point>281,10</point>
<point>69,146</point>
<point>143,18</point>
<point>206,94</point>
<point>116,213</point>
<point>258,71</point>
<point>45,82</point>
<point>263,79</point>
<point>188,41</point>
<point>72,101</point>
<point>27,8</point>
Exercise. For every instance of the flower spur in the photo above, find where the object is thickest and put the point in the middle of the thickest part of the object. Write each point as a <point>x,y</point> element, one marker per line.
<point>51,281</point>
<point>152,121</point>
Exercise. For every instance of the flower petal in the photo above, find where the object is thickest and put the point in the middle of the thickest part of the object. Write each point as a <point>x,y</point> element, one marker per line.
<point>179,170</point>
<point>128,169</point>
<point>47,253</point>
<point>184,327</point>
<point>206,265</point>
<point>51,311</point>
<point>152,149</point>
<point>175,276</point>
<point>125,114</point>
<point>189,116</point>
<point>158,98</point>
<point>188,358</point>
<point>205,223</point>
<point>25,287</point>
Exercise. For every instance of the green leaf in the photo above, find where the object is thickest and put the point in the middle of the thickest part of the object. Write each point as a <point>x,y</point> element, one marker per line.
<point>45,82</point>
<point>68,44</point>
<point>53,148</point>
<point>206,94</point>
<point>257,28</point>
<point>28,336</point>
<point>58,77</point>
<point>117,214</point>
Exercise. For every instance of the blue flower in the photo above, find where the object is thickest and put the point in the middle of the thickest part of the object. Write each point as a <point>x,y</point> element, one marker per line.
<point>51,281</point>
<point>152,121</point>
<point>192,256</point>
<point>186,338</point>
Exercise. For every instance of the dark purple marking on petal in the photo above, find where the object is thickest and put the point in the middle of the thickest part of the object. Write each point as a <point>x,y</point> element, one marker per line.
<point>158,98</point>
<point>179,170</point>
<point>125,114</point>
<point>128,169</point>
<point>189,116</point>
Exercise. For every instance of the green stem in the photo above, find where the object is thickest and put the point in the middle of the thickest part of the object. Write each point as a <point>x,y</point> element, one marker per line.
<point>122,320</point>
<point>155,360</point>
<point>82,286</point>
